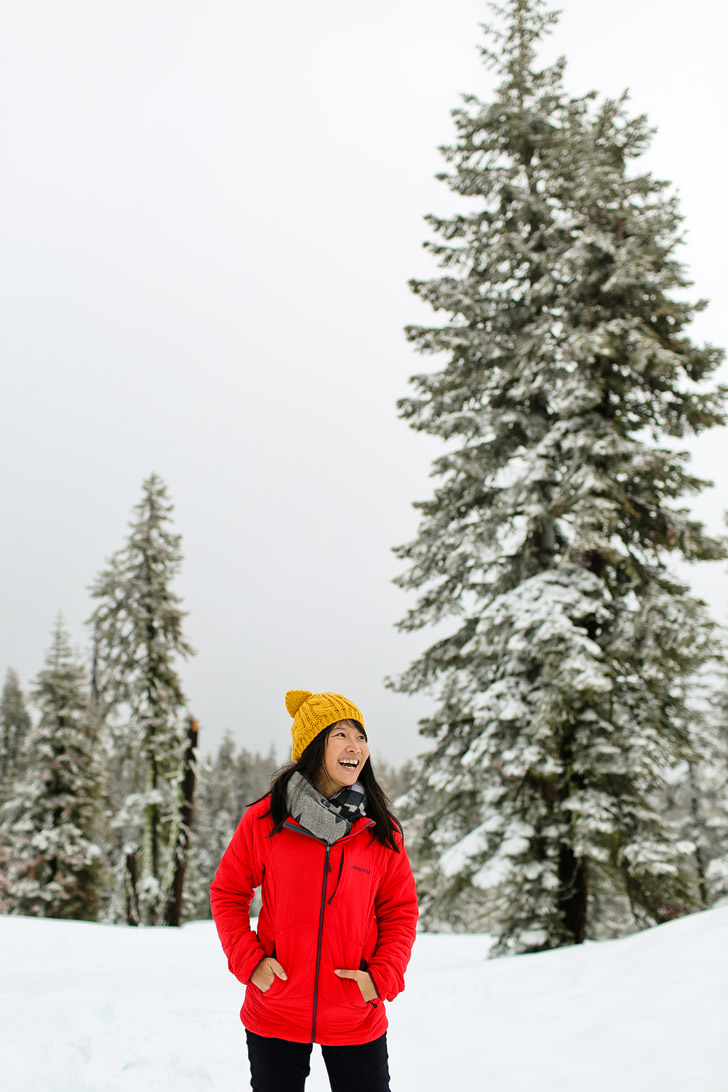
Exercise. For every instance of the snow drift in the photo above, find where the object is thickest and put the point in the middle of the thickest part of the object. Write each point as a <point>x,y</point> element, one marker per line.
<point>102,1008</point>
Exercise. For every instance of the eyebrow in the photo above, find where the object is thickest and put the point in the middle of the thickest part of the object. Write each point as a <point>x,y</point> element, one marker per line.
<point>360,731</point>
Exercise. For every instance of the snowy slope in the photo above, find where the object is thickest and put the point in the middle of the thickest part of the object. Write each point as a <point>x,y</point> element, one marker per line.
<point>95,1008</point>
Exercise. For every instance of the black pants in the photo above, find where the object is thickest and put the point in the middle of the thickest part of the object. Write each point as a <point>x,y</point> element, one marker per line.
<point>279,1066</point>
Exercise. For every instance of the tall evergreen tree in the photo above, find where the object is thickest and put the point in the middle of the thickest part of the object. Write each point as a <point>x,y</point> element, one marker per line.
<point>549,535</point>
<point>137,638</point>
<point>14,726</point>
<point>52,822</point>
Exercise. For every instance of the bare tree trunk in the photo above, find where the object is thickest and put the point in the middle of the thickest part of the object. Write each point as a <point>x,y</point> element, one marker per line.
<point>574,892</point>
<point>700,867</point>
<point>130,889</point>
<point>181,832</point>
<point>150,841</point>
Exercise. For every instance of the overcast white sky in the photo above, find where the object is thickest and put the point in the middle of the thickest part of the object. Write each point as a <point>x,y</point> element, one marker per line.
<point>210,213</point>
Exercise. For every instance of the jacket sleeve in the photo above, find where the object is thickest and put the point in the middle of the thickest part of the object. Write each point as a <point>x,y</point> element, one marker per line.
<point>396,912</point>
<point>231,893</point>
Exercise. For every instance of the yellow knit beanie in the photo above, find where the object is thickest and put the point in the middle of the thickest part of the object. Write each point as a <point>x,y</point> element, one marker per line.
<point>313,712</point>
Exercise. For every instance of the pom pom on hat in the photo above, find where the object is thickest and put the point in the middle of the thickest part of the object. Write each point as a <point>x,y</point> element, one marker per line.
<point>312,713</point>
<point>295,699</point>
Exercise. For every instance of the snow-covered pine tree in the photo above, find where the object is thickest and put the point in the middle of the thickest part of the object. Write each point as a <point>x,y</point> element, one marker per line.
<point>14,726</point>
<point>137,638</point>
<point>52,823</point>
<point>560,705</point>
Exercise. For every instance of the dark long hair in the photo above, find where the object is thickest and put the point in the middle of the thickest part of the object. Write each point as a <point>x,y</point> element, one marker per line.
<point>309,766</point>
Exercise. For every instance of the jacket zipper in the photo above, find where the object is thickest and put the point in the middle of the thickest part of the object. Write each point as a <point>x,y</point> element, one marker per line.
<point>327,869</point>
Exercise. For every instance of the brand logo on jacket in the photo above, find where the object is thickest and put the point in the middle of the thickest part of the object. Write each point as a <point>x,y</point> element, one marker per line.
<point>358,868</point>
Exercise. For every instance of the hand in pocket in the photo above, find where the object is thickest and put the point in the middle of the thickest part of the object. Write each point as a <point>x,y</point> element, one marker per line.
<point>363,980</point>
<point>266,972</point>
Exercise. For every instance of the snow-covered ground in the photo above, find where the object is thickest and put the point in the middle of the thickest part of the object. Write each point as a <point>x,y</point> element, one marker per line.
<point>98,1008</point>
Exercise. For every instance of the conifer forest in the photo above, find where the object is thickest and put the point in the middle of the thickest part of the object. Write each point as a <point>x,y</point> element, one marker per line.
<point>573,777</point>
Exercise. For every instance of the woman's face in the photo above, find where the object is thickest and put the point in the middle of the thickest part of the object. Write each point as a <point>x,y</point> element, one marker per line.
<point>345,753</point>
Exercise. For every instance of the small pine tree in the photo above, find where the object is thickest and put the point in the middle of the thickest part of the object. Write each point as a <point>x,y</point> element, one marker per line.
<point>137,637</point>
<point>52,822</point>
<point>14,726</point>
<point>395,780</point>
<point>253,773</point>
<point>548,537</point>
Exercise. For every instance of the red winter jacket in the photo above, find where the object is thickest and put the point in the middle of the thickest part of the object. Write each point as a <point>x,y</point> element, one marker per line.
<point>349,905</point>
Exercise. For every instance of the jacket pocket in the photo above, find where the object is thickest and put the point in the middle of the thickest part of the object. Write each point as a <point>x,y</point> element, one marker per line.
<point>275,987</point>
<point>337,990</point>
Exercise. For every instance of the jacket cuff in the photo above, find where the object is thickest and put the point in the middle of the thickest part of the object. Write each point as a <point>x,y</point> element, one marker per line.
<point>249,964</point>
<point>385,982</point>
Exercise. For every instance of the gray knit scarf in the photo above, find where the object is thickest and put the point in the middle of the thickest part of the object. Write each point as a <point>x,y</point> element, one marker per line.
<point>328,820</point>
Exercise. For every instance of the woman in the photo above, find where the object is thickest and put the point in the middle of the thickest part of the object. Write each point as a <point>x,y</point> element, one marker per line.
<point>339,908</point>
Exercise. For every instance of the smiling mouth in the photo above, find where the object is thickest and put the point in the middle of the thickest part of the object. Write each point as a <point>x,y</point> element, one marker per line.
<point>349,763</point>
